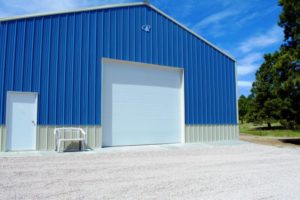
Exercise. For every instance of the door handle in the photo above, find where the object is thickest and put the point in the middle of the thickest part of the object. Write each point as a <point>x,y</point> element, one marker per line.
<point>33,122</point>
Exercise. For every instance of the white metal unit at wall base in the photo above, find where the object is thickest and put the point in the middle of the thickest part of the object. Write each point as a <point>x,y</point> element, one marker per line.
<point>59,134</point>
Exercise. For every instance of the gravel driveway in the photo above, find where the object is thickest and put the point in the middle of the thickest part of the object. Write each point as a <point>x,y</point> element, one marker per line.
<point>220,171</point>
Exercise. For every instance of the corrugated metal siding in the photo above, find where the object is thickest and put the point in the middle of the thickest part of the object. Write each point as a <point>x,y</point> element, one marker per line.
<point>2,138</point>
<point>193,134</point>
<point>210,133</point>
<point>60,58</point>
<point>45,137</point>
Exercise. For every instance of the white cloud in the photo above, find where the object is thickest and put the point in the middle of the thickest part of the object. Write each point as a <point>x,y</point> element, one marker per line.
<point>251,58</point>
<point>249,63</point>
<point>17,7</point>
<point>273,36</point>
<point>4,13</point>
<point>244,83</point>
<point>215,18</point>
<point>22,7</point>
<point>246,69</point>
<point>250,15</point>
<point>247,18</point>
<point>229,12</point>
<point>216,24</point>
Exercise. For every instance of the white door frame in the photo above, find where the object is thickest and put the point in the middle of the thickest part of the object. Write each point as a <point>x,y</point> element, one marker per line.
<point>8,137</point>
<point>103,60</point>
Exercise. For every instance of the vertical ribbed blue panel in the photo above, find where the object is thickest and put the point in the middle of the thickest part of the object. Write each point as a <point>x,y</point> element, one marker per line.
<point>3,51</point>
<point>59,57</point>
<point>61,71</point>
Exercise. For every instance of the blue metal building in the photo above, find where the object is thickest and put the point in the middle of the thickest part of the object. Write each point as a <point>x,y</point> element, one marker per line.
<point>59,58</point>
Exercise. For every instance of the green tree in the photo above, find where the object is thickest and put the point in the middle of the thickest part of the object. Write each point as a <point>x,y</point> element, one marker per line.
<point>243,108</point>
<point>251,114</point>
<point>266,105</point>
<point>276,90</point>
<point>287,86</point>
<point>288,63</point>
<point>289,19</point>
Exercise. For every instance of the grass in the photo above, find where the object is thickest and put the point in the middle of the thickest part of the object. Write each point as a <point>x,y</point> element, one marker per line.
<point>262,130</point>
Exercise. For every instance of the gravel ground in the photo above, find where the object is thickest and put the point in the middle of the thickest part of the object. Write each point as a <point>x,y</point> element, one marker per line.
<point>221,171</point>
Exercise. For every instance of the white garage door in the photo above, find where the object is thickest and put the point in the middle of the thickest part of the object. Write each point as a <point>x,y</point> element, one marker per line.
<point>141,104</point>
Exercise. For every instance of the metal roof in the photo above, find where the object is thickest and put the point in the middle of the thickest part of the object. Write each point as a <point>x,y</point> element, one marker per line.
<point>117,6</point>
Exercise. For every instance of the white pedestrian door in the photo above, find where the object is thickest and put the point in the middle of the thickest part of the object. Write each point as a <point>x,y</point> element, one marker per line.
<point>21,117</point>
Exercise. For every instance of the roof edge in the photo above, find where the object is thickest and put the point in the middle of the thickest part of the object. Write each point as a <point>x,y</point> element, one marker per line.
<point>117,6</point>
<point>192,32</point>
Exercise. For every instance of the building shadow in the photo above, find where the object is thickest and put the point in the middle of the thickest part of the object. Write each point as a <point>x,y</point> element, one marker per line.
<point>269,128</point>
<point>75,147</point>
<point>295,141</point>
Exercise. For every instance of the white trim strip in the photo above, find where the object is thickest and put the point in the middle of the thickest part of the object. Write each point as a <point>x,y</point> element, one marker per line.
<point>236,94</point>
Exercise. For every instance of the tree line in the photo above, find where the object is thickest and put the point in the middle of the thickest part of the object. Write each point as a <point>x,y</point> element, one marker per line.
<point>275,93</point>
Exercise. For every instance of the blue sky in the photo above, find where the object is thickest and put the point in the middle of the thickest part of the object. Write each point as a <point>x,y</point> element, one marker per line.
<point>245,29</point>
